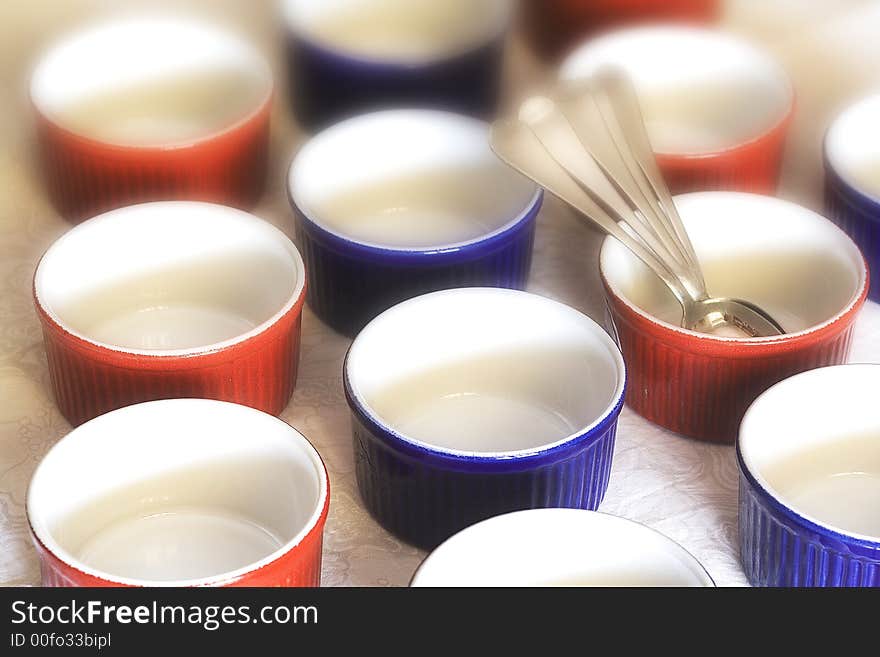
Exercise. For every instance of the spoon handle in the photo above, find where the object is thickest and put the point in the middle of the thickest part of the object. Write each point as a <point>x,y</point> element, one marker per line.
<point>561,143</point>
<point>516,144</point>
<point>582,107</point>
<point>621,95</point>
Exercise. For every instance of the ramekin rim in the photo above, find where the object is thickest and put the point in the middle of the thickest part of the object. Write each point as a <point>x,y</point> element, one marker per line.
<point>861,196</point>
<point>785,118</point>
<point>701,570</point>
<point>262,107</point>
<point>779,126</point>
<point>312,524</point>
<point>499,234</point>
<point>355,59</point>
<point>513,458</point>
<point>295,298</point>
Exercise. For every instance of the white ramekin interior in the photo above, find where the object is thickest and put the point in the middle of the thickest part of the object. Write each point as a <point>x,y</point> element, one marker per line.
<point>466,24</point>
<point>178,453</point>
<point>504,343</point>
<point>794,420</point>
<point>151,256</point>
<point>797,265</point>
<point>701,90</point>
<point>123,53</point>
<point>560,547</point>
<point>395,144</point>
<point>852,145</point>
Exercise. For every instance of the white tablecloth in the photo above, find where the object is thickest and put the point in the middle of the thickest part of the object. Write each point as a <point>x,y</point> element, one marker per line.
<point>685,489</point>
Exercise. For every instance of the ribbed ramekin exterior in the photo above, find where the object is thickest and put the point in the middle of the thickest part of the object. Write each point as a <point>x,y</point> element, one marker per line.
<point>327,86</point>
<point>858,216</point>
<point>752,167</point>
<point>350,284</point>
<point>300,566</point>
<point>86,177</point>
<point>777,548</point>
<point>702,388</point>
<point>424,499</point>
<point>89,380</point>
<point>553,25</point>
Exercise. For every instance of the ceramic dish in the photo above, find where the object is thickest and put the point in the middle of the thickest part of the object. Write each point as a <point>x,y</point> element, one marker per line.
<point>394,204</point>
<point>716,108</point>
<point>560,547</point>
<point>795,264</point>
<point>472,402</point>
<point>349,56</point>
<point>180,492</point>
<point>554,25</point>
<point>809,459</point>
<point>170,299</point>
<point>852,178</point>
<point>130,111</point>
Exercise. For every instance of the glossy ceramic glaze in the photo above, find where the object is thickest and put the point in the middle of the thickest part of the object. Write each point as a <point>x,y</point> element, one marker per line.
<point>332,80</point>
<point>86,176</point>
<point>852,197</point>
<point>554,25</point>
<point>792,262</point>
<point>211,262</point>
<point>351,281</point>
<point>782,543</point>
<point>273,477</point>
<point>717,109</point>
<point>525,350</point>
<point>559,547</point>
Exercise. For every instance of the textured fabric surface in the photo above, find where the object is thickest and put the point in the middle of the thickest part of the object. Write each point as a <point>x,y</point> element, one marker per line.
<point>683,488</point>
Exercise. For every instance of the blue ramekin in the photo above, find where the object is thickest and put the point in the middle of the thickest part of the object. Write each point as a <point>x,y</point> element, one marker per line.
<point>781,545</point>
<point>328,83</point>
<point>352,281</point>
<point>424,493</point>
<point>852,140</point>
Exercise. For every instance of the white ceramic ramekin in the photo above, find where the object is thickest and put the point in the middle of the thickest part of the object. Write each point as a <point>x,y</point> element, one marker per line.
<point>797,525</point>
<point>235,282</point>
<point>233,466</point>
<point>88,172</point>
<point>472,402</point>
<point>794,263</point>
<point>355,275</point>
<point>335,76</point>
<point>717,109</point>
<point>560,547</point>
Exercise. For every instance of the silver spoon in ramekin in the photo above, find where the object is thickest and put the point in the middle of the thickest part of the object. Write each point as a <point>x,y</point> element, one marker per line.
<point>589,146</point>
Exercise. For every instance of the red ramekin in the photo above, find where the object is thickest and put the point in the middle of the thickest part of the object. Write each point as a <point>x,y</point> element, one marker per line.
<point>236,265</point>
<point>689,63</point>
<point>795,264</point>
<point>267,474</point>
<point>553,25</point>
<point>86,176</point>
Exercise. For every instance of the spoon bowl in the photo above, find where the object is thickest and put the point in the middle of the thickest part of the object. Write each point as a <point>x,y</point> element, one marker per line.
<point>730,317</point>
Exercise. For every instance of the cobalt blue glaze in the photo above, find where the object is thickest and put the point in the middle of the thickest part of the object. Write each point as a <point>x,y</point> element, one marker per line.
<point>424,496</point>
<point>858,215</point>
<point>351,282</point>
<point>327,86</point>
<point>779,547</point>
